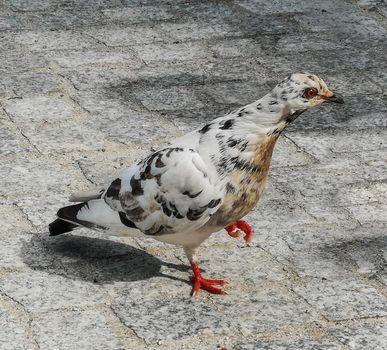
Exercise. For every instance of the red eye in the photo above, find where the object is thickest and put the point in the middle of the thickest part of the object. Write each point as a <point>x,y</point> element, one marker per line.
<point>310,93</point>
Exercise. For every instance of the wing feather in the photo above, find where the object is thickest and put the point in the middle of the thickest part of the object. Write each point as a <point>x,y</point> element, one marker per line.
<point>172,190</point>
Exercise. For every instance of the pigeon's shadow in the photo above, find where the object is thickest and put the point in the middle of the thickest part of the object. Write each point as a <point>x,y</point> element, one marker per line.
<point>91,259</point>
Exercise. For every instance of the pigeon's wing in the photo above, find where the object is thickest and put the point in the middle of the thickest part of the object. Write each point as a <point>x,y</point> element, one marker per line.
<point>172,190</point>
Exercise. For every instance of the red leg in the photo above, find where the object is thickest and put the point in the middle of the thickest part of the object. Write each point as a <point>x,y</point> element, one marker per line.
<point>240,225</point>
<point>199,282</point>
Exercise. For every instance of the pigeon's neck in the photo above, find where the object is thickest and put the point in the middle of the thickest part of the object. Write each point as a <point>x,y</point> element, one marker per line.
<point>267,115</point>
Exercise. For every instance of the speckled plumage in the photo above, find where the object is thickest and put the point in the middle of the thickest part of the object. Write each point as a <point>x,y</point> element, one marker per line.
<point>203,181</point>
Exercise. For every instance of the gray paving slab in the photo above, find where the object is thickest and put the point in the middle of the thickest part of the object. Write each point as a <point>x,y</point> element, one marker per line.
<point>370,336</point>
<point>10,249</point>
<point>38,108</point>
<point>54,40</point>
<point>74,137</point>
<point>9,142</point>
<point>12,216</point>
<point>39,292</point>
<point>344,299</point>
<point>66,19</point>
<point>13,331</point>
<point>80,327</point>
<point>306,344</point>
<point>138,14</point>
<point>17,84</point>
<point>96,57</point>
<point>36,175</point>
<point>87,87</point>
<point>16,60</point>
<point>145,318</point>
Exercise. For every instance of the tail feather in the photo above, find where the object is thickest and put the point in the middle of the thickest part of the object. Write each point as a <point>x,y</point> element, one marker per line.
<point>58,226</point>
<point>76,213</point>
<point>70,212</point>
<point>96,215</point>
<point>67,220</point>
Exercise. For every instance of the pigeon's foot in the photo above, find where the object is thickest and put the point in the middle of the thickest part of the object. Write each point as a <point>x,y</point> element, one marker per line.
<point>199,282</point>
<point>240,225</point>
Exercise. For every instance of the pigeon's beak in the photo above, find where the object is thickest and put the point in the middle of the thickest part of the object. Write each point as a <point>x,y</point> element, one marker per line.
<point>331,97</point>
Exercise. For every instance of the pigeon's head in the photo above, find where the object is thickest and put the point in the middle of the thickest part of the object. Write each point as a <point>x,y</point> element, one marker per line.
<point>299,92</point>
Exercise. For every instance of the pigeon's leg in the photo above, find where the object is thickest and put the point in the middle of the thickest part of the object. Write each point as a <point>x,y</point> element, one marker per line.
<point>240,225</point>
<point>199,282</point>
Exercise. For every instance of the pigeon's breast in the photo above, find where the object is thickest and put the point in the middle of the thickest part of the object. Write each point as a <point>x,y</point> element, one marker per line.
<point>245,185</point>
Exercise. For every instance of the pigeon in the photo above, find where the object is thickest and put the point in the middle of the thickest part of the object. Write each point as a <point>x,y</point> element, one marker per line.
<point>200,183</point>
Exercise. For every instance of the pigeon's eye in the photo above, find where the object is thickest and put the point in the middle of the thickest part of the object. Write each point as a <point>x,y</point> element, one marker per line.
<point>310,93</point>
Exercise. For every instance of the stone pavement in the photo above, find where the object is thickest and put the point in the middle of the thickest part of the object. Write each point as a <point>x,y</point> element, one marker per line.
<point>86,87</point>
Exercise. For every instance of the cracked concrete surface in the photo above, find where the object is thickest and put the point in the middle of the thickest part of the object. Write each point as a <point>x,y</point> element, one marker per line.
<point>87,87</point>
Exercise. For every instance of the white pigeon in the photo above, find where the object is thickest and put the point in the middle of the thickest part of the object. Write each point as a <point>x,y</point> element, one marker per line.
<point>202,182</point>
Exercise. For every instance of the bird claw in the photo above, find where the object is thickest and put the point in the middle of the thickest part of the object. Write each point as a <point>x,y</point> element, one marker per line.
<point>234,234</point>
<point>199,282</point>
<point>233,231</point>
<point>208,285</point>
<point>240,225</point>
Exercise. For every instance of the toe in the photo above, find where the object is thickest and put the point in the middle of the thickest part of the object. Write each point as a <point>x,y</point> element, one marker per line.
<point>234,234</point>
<point>210,288</point>
<point>219,282</point>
